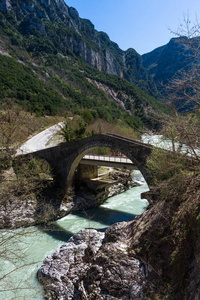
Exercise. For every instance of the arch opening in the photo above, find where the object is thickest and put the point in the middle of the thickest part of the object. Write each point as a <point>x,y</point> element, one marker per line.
<point>90,149</point>
<point>99,173</point>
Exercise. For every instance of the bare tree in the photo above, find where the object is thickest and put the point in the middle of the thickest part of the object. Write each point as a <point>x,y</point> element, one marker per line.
<point>184,91</point>
<point>18,188</point>
<point>182,129</point>
<point>185,85</point>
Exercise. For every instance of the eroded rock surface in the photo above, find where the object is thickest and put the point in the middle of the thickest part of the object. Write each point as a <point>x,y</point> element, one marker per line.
<point>93,265</point>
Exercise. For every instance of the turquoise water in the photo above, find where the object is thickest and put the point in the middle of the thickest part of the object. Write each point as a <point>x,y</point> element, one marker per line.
<point>25,249</point>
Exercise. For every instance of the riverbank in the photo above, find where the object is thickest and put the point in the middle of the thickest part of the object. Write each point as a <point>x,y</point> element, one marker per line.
<point>33,244</point>
<point>42,203</point>
<point>94,192</point>
<point>154,256</point>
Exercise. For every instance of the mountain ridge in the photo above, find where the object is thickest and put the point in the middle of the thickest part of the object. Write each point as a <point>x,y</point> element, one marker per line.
<point>175,67</point>
<point>69,56</point>
<point>96,48</point>
<point>160,60</point>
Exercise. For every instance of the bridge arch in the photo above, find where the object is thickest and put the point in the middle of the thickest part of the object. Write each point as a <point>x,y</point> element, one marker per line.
<point>78,159</point>
<point>65,158</point>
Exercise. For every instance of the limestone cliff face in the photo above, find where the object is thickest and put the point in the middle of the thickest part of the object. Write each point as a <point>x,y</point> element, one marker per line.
<point>79,37</point>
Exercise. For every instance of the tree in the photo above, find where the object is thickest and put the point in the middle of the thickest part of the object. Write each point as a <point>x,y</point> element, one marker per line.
<point>184,88</point>
<point>15,197</point>
<point>182,129</point>
<point>67,132</point>
<point>74,128</point>
<point>8,123</point>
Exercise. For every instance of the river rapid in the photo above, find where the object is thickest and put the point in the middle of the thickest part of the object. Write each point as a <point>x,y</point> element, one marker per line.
<point>25,249</point>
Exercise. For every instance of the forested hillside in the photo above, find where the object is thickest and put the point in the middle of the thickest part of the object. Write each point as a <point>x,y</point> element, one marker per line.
<point>52,61</point>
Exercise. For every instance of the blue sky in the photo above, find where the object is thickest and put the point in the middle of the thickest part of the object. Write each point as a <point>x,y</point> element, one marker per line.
<point>139,24</point>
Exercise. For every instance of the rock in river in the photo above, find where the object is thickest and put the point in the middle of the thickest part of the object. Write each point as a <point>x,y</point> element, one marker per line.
<point>93,265</point>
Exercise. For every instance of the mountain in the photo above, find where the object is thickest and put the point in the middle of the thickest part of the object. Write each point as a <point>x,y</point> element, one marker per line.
<point>53,20</point>
<point>164,62</point>
<point>176,60</point>
<point>52,60</point>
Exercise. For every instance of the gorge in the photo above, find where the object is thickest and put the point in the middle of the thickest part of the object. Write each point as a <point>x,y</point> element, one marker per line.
<point>56,67</point>
<point>144,238</point>
<point>37,242</point>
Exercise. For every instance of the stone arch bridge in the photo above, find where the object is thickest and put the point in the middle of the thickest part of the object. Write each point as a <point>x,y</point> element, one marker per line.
<point>65,157</point>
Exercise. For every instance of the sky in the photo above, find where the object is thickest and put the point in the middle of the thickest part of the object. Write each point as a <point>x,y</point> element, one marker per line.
<point>140,24</point>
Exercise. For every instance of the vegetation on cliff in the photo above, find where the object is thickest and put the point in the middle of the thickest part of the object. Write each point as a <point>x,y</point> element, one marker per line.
<point>56,64</point>
<point>51,65</point>
<point>166,238</point>
<point>45,92</point>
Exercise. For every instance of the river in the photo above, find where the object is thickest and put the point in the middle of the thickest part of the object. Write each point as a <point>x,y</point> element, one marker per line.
<point>25,249</point>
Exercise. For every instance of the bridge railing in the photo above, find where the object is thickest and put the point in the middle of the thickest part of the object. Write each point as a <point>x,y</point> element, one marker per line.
<point>118,159</point>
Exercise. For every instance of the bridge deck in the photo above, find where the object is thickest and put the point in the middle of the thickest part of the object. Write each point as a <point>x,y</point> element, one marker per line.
<point>108,161</point>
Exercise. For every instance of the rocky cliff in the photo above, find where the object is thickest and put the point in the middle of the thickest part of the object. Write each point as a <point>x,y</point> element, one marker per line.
<point>63,31</point>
